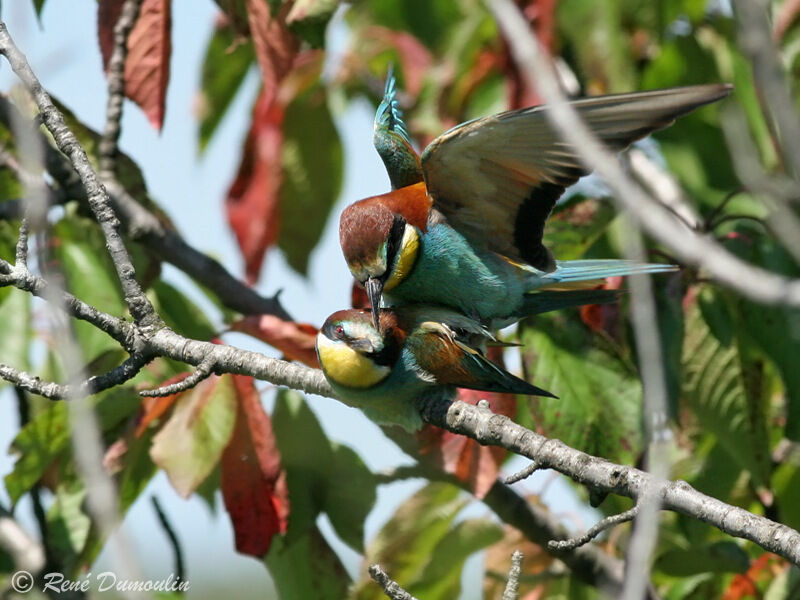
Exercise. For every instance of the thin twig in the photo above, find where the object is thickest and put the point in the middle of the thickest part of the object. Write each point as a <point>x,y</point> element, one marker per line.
<point>390,587</point>
<point>594,531</point>
<point>522,474</point>
<point>116,87</point>
<point>511,591</point>
<point>180,572</point>
<point>203,370</point>
<point>22,244</point>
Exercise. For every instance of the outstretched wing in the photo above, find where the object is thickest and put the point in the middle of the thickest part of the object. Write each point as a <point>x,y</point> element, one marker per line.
<point>392,140</point>
<point>496,179</point>
<point>449,361</point>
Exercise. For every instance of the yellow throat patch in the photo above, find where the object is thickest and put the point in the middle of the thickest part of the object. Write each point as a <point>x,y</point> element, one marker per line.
<point>406,258</point>
<point>347,367</point>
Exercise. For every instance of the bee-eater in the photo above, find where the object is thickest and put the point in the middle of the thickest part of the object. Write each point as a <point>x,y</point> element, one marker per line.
<point>417,353</point>
<point>463,226</point>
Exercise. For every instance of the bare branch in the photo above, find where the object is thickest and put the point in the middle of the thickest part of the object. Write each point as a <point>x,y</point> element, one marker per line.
<point>511,591</point>
<point>390,587</point>
<point>116,87</point>
<point>594,531</point>
<point>204,369</point>
<point>135,298</point>
<point>610,478</point>
<point>180,571</point>
<point>522,474</point>
<point>22,244</point>
<point>747,280</point>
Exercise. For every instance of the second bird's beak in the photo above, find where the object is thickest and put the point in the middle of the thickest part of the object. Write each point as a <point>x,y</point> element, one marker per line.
<point>374,288</point>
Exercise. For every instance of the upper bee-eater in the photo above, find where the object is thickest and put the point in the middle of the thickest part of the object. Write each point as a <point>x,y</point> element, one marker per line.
<point>463,225</point>
<point>417,353</point>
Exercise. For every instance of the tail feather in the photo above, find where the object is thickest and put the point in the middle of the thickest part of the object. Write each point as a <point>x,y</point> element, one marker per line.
<point>570,271</point>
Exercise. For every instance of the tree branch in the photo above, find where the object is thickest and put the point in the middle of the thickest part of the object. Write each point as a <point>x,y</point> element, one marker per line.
<point>390,587</point>
<point>116,88</point>
<point>610,478</point>
<point>511,591</point>
<point>138,304</point>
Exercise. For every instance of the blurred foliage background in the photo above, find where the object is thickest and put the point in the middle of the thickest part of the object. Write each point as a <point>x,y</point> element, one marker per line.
<point>731,365</point>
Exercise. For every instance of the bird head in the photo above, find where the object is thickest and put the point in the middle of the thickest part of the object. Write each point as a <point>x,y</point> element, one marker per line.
<point>380,248</point>
<point>353,352</point>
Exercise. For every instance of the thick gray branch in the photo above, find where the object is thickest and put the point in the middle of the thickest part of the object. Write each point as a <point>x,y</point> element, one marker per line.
<point>610,478</point>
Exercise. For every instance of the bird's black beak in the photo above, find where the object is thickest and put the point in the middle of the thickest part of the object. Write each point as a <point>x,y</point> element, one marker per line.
<point>374,288</point>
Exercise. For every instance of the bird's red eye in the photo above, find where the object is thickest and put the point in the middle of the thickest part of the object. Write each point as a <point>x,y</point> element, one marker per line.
<point>338,331</point>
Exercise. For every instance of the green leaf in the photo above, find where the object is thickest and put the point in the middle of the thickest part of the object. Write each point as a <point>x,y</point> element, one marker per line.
<point>720,557</point>
<point>15,324</point>
<point>67,525</point>
<point>137,471</point>
<point>190,443</point>
<point>716,387</point>
<point>227,61</point>
<point>405,544</point>
<point>315,486</point>
<point>598,409</point>
<point>429,20</point>
<point>312,175</point>
<point>90,275</point>
<point>38,444</point>
<point>307,567</point>
<point>308,19</point>
<point>46,437</point>
<point>441,578</point>
<point>577,224</point>
<point>180,313</point>
<point>592,31</point>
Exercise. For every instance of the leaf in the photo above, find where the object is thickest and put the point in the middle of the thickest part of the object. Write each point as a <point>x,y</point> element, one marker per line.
<point>90,276</point>
<point>15,323</point>
<point>295,340</point>
<point>180,313</point>
<point>137,471</point>
<point>441,578</point>
<point>720,557</point>
<point>309,19</point>
<point>577,224</point>
<point>276,47</point>
<point>149,49</point>
<point>252,202</point>
<point>235,12</point>
<point>38,5</point>
<point>67,525</point>
<point>227,61</point>
<point>428,20</point>
<point>716,388</point>
<point>38,444</point>
<point>253,482</point>
<point>192,441</point>
<point>315,485</point>
<point>497,561</point>
<point>404,545</point>
<point>313,165</point>
<point>307,567</point>
<point>598,409</point>
<point>153,408</point>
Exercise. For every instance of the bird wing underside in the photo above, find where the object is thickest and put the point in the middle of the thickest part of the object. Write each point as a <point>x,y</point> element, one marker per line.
<point>496,179</point>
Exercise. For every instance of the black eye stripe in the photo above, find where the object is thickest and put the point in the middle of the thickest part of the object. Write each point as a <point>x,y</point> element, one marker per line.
<point>395,240</point>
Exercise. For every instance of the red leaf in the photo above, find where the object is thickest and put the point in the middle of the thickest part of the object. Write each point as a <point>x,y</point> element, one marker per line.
<point>603,317</point>
<point>149,49</point>
<point>787,15</point>
<point>276,47</point>
<point>253,482</point>
<point>252,204</point>
<point>295,340</point>
<point>463,457</point>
